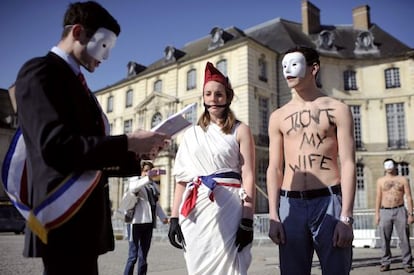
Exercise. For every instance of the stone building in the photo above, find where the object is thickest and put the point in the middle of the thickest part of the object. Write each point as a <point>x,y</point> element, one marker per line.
<point>361,65</point>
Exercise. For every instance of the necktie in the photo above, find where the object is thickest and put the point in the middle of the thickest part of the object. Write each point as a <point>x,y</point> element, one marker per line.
<point>83,81</point>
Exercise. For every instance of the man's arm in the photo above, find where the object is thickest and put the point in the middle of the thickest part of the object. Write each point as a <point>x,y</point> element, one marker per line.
<point>274,170</point>
<point>378,201</point>
<point>275,178</point>
<point>408,199</point>
<point>346,151</point>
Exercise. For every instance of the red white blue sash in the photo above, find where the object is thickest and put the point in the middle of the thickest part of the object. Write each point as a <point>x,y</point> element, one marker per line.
<point>60,204</point>
<point>231,179</point>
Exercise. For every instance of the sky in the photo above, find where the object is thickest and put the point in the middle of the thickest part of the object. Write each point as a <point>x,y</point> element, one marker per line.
<point>31,28</point>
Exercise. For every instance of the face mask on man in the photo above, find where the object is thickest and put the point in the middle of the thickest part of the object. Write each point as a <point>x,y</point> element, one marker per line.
<point>101,43</point>
<point>294,65</point>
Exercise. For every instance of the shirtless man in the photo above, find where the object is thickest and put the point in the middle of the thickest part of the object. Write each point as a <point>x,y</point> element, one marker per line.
<point>390,211</point>
<point>311,200</point>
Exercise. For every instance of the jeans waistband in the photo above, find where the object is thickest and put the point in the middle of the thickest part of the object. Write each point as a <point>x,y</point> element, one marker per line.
<point>311,194</point>
<point>395,207</point>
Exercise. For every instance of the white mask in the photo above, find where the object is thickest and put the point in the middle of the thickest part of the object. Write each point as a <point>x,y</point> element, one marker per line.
<point>388,165</point>
<point>294,65</point>
<point>101,43</point>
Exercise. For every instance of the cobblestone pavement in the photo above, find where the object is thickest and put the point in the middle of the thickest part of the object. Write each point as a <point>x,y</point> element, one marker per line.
<point>166,260</point>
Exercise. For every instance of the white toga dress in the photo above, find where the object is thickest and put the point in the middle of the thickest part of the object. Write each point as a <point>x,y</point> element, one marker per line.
<point>210,228</point>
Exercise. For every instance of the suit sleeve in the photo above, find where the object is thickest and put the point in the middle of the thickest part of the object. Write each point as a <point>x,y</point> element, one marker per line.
<point>60,125</point>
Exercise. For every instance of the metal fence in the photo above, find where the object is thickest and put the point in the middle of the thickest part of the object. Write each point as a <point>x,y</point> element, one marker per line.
<point>365,231</point>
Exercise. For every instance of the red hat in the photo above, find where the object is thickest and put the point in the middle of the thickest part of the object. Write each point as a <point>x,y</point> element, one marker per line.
<point>212,74</point>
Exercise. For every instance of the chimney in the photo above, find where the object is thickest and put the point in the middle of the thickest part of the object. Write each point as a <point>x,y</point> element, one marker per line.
<point>361,18</point>
<point>311,22</point>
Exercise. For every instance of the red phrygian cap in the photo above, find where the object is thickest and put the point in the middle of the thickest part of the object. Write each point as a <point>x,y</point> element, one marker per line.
<point>212,74</point>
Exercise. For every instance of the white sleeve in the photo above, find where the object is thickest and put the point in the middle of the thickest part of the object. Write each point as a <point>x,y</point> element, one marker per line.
<point>136,183</point>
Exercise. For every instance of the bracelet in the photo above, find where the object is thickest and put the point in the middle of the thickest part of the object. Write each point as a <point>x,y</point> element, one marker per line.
<point>246,228</point>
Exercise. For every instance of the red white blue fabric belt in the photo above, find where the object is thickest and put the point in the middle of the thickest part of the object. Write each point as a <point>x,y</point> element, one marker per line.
<point>311,194</point>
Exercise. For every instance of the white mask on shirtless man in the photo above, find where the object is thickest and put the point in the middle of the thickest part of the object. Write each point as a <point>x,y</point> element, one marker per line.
<point>294,65</point>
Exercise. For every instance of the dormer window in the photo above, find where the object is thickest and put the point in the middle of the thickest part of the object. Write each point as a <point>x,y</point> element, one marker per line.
<point>171,54</point>
<point>218,38</point>
<point>326,40</point>
<point>365,43</point>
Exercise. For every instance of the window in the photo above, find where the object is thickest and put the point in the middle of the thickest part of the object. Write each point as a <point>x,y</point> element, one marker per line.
<point>392,78</point>
<point>403,169</point>
<point>191,115</point>
<point>158,86</point>
<point>350,80</point>
<point>360,194</point>
<point>191,79</point>
<point>128,98</point>
<point>262,68</point>
<point>110,104</point>
<point>263,121</point>
<point>356,113</point>
<point>156,119</point>
<point>396,125</point>
<point>222,66</point>
<point>127,126</point>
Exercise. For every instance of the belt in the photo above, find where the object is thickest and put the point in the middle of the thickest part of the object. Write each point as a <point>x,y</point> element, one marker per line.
<point>382,207</point>
<point>311,194</point>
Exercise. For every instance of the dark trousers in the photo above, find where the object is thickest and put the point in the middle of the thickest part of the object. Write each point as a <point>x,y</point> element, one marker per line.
<point>69,264</point>
<point>139,246</point>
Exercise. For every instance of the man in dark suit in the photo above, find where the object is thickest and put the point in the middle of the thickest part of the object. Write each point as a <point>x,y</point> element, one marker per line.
<point>64,133</point>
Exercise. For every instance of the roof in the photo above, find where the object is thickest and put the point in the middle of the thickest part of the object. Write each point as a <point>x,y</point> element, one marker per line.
<point>343,42</point>
<point>280,35</point>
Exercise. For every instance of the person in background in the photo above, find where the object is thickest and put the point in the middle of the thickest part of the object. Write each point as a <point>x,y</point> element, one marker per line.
<point>145,209</point>
<point>390,211</point>
<point>66,133</point>
<point>212,213</point>
<point>311,173</point>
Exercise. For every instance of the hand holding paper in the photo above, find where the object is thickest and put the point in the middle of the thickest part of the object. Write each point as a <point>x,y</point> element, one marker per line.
<point>175,123</point>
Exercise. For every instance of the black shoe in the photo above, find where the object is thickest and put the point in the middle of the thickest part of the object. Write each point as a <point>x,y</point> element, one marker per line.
<point>409,269</point>
<point>384,268</point>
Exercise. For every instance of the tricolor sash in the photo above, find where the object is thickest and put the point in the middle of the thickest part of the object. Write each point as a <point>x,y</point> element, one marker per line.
<point>60,204</point>
<point>231,179</point>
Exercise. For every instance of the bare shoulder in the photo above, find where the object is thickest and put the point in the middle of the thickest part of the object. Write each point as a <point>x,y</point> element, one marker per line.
<point>244,132</point>
<point>331,102</point>
<point>243,128</point>
<point>281,111</point>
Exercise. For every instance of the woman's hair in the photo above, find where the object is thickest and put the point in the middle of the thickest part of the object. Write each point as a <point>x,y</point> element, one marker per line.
<point>229,121</point>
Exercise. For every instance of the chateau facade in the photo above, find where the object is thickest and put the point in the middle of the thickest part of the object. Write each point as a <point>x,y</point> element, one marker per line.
<point>361,65</point>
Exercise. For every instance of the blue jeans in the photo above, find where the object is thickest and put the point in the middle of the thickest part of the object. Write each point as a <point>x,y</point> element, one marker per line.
<point>139,246</point>
<point>309,226</point>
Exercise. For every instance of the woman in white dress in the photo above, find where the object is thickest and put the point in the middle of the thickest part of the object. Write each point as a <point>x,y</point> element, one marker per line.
<point>212,214</point>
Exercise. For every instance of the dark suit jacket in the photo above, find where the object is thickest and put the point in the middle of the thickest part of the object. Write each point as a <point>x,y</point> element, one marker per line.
<point>63,133</point>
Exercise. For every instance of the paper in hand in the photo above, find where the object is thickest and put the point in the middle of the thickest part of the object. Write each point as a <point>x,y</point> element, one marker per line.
<point>175,123</point>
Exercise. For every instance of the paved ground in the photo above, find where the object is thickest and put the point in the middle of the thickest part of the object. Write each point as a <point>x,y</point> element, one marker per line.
<point>166,260</point>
